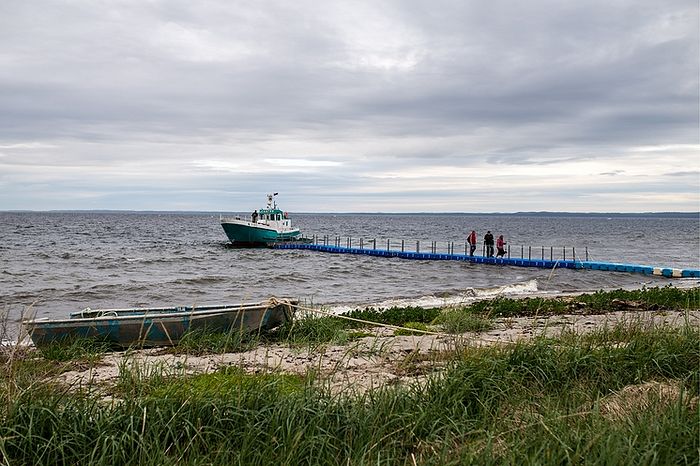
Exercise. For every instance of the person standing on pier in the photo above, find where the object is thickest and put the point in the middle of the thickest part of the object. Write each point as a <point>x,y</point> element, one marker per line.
<point>471,239</point>
<point>488,242</point>
<point>500,244</point>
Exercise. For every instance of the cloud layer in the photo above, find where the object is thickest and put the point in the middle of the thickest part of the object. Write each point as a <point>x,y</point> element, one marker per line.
<point>350,106</point>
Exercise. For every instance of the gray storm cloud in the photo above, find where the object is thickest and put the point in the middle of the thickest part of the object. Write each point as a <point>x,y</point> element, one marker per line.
<point>387,106</point>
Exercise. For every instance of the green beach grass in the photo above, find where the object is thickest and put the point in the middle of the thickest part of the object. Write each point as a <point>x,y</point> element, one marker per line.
<point>622,394</point>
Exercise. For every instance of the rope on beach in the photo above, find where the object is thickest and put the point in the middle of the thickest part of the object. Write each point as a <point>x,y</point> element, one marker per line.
<point>275,302</point>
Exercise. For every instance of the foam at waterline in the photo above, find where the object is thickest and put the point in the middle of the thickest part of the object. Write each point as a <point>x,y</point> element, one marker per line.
<point>686,282</point>
<point>464,297</point>
<point>10,343</point>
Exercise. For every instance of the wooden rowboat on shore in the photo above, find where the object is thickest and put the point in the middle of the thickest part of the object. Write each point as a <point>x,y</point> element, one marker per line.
<point>159,326</point>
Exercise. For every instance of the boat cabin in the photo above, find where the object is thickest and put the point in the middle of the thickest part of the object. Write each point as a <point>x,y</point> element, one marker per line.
<point>273,217</point>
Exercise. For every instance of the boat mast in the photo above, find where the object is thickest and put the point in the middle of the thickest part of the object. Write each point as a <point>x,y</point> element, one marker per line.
<point>270,201</point>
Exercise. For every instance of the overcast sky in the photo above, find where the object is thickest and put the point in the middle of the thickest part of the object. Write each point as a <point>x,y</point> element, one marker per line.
<point>372,106</point>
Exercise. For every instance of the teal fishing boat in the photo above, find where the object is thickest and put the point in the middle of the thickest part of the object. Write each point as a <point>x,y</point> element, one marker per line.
<point>266,226</point>
<point>158,326</point>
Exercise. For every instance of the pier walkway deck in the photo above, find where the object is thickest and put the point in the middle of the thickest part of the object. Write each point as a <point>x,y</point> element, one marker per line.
<point>519,262</point>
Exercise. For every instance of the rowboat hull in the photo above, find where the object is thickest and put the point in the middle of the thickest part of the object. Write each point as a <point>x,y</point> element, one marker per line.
<point>158,326</point>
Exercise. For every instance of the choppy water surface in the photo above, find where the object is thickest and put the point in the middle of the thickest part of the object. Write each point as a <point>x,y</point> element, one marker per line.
<point>55,263</point>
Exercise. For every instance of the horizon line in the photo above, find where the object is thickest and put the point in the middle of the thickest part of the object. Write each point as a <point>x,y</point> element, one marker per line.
<point>524,212</point>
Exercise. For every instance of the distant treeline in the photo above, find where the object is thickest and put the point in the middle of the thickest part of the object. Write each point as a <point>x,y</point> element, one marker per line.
<point>530,214</point>
<point>695,215</point>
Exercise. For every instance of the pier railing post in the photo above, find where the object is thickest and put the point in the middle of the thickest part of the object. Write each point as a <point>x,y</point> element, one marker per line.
<point>435,248</point>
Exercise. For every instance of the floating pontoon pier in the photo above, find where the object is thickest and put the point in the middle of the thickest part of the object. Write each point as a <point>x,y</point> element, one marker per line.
<point>543,262</point>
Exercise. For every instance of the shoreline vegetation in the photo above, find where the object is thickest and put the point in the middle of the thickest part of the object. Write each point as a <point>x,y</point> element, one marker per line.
<point>603,378</point>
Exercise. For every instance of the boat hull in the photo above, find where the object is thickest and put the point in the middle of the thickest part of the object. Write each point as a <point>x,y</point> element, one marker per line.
<point>158,327</point>
<point>250,234</point>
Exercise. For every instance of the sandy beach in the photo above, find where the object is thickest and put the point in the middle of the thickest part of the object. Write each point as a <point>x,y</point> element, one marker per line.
<point>375,360</point>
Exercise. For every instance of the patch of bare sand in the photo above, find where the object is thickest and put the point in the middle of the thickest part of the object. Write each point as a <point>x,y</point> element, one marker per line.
<point>373,361</point>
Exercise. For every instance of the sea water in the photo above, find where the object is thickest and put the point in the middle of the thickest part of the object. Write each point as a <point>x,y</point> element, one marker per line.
<point>55,263</point>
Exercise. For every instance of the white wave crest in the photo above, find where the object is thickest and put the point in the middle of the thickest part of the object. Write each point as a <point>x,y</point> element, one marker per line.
<point>464,297</point>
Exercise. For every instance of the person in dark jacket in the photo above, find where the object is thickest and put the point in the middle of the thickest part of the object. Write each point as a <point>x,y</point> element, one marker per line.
<point>488,242</point>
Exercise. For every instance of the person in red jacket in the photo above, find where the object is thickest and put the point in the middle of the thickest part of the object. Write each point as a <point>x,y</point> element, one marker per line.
<point>471,239</point>
<point>500,244</point>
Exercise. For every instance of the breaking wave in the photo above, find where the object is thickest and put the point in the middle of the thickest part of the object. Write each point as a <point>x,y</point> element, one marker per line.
<point>460,298</point>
